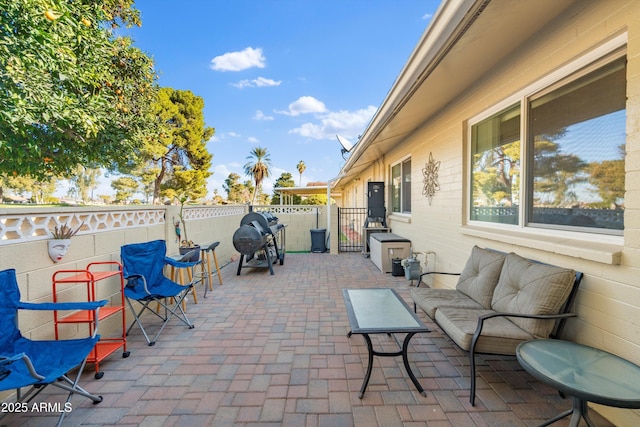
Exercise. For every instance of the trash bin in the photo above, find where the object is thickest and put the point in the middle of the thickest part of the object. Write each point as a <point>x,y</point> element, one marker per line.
<point>318,240</point>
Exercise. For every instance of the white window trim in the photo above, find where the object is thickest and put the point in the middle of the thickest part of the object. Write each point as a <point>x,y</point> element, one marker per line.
<point>597,247</point>
<point>401,216</point>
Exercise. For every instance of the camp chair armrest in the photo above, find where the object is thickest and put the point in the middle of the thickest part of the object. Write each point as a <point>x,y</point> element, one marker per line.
<point>90,305</point>
<point>10,359</point>
<point>25,359</point>
<point>140,277</point>
<point>68,306</point>
<point>179,264</point>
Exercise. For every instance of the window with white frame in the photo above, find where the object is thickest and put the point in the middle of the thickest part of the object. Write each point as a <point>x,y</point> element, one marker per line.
<point>558,153</point>
<point>400,187</point>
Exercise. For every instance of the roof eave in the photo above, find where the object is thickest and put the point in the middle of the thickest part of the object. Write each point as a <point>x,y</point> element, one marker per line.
<point>434,43</point>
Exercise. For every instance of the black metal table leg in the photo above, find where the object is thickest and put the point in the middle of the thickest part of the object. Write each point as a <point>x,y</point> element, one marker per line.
<point>405,359</point>
<point>402,352</point>
<point>369,366</point>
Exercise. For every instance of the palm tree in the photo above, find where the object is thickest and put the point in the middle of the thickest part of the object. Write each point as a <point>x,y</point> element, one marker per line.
<point>259,168</point>
<point>301,168</point>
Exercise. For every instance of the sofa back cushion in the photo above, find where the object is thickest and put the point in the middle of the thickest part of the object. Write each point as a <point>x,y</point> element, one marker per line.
<point>529,287</point>
<point>480,275</point>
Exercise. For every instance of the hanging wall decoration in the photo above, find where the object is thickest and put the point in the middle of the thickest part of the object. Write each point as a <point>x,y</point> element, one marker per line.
<point>430,173</point>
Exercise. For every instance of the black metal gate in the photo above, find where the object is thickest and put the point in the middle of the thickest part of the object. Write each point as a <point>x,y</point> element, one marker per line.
<point>350,223</point>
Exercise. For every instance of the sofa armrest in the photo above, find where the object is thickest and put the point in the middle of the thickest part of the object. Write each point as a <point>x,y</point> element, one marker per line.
<point>433,272</point>
<point>481,319</point>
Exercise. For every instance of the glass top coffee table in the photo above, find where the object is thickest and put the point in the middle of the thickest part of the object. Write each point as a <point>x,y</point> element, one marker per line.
<point>584,373</point>
<point>382,311</point>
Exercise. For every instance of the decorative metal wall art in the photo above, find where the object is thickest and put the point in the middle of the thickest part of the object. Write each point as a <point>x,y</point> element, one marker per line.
<point>430,173</point>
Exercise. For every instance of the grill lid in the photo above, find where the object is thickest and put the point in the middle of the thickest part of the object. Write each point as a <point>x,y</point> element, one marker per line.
<point>264,219</point>
<point>248,239</point>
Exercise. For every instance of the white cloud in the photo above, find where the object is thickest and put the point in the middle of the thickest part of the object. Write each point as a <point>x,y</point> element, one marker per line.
<point>259,82</point>
<point>253,140</point>
<point>427,16</point>
<point>241,84</point>
<point>347,123</point>
<point>221,170</point>
<point>216,181</point>
<point>304,105</point>
<point>264,82</point>
<point>225,136</point>
<point>238,61</point>
<point>260,116</point>
<point>268,183</point>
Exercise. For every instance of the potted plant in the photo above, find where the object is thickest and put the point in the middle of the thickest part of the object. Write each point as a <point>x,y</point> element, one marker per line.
<point>186,245</point>
<point>61,240</point>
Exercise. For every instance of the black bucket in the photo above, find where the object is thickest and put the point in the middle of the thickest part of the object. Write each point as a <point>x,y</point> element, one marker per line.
<point>396,267</point>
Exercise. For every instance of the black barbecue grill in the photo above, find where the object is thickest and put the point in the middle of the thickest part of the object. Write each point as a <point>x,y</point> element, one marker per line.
<point>260,241</point>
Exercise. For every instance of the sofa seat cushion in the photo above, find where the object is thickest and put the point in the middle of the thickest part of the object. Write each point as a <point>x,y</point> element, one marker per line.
<point>529,287</point>
<point>499,334</point>
<point>480,275</point>
<point>431,299</point>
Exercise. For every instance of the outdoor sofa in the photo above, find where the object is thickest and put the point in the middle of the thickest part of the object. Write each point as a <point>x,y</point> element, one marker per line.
<point>500,301</point>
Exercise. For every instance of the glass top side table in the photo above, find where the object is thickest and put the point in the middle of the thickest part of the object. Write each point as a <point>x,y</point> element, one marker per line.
<point>582,372</point>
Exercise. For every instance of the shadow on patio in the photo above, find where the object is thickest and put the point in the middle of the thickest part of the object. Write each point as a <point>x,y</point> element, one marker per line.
<point>273,350</point>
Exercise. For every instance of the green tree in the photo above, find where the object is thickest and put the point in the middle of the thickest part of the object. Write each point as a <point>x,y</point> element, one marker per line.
<point>248,190</point>
<point>125,187</point>
<point>178,154</point>
<point>556,173</point>
<point>258,169</point>
<point>301,168</point>
<point>608,177</point>
<point>105,198</point>
<point>19,185</point>
<point>496,174</point>
<point>285,180</point>
<point>262,199</point>
<point>186,183</point>
<point>233,188</point>
<point>315,199</point>
<point>72,91</point>
<point>85,180</point>
<point>40,189</point>
<point>147,178</point>
<point>44,189</point>
<point>237,192</point>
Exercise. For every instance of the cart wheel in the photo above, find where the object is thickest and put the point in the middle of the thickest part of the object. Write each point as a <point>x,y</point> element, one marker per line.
<point>95,402</point>
<point>126,354</point>
<point>99,375</point>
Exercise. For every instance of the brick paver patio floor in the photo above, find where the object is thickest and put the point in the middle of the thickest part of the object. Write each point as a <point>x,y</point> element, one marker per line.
<point>273,351</point>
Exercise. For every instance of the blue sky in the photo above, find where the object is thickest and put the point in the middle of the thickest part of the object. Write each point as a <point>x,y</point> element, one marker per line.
<point>286,75</point>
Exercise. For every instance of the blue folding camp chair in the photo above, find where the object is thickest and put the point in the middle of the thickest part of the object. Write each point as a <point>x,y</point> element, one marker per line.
<point>36,364</point>
<point>143,267</point>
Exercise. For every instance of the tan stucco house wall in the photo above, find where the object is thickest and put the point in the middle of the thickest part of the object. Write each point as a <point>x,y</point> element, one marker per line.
<point>445,85</point>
